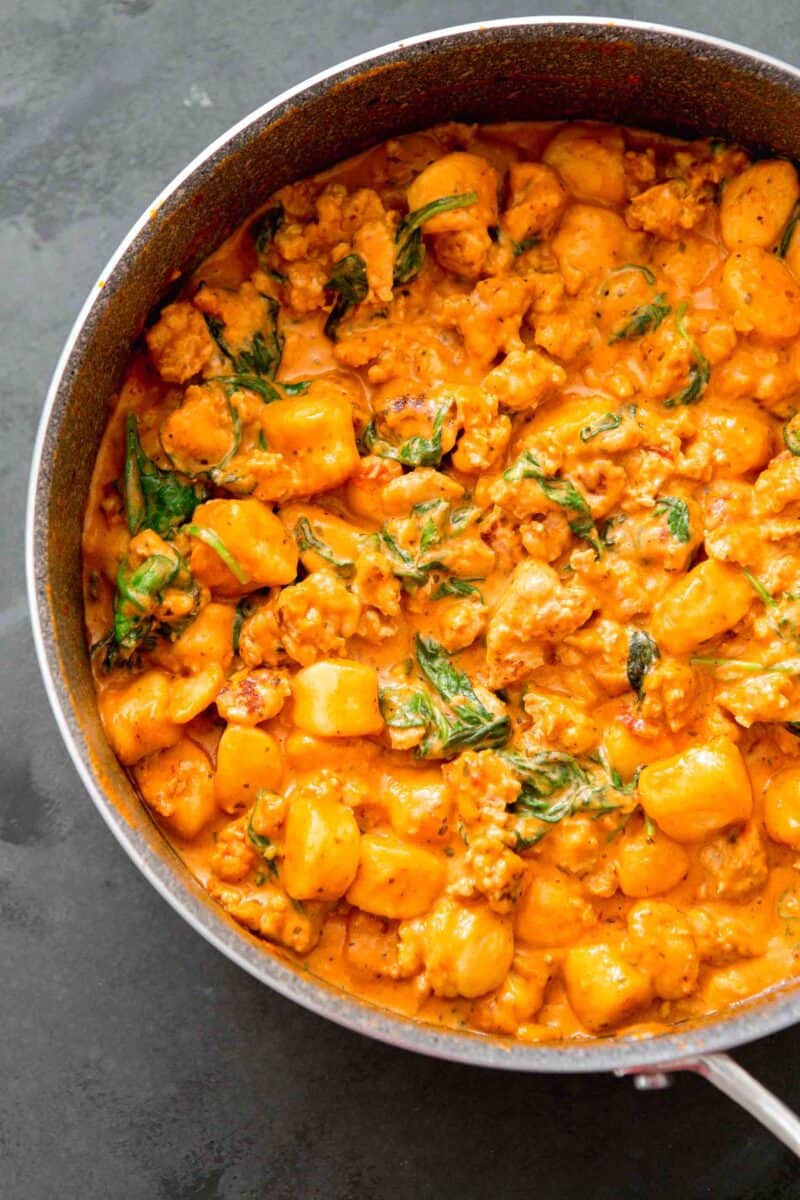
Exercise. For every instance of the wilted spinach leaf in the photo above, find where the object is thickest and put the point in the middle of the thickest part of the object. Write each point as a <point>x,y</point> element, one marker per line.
<point>642,654</point>
<point>562,492</point>
<point>640,267</point>
<point>261,843</point>
<point>603,424</point>
<point>791,439</point>
<point>554,786</point>
<point>456,587</point>
<point>677,512</point>
<point>138,594</point>
<point>348,281</point>
<point>465,722</point>
<point>699,372</point>
<point>307,540</point>
<point>527,243</point>
<point>262,354</point>
<point>545,772</point>
<point>418,451</point>
<point>763,594</point>
<point>410,253</point>
<point>215,543</point>
<point>265,227</point>
<point>644,319</point>
<point>251,383</point>
<point>788,233</point>
<point>154,498</point>
<point>408,570</point>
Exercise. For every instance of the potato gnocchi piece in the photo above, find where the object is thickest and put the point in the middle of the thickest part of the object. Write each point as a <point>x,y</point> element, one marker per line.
<point>337,699</point>
<point>757,205</point>
<point>148,713</point>
<point>468,949</point>
<point>589,159</point>
<point>312,436</point>
<point>761,294</point>
<point>239,546</point>
<point>604,987</point>
<point>395,878</point>
<point>321,847</point>
<point>248,762</point>
<point>697,793</point>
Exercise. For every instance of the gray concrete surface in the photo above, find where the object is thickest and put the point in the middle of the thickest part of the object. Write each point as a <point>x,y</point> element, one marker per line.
<point>135,1062</point>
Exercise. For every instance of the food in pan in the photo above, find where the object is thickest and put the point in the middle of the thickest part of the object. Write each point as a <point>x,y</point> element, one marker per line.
<point>442,576</point>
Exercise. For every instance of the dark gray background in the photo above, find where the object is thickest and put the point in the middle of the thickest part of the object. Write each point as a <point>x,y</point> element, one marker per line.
<point>135,1061</point>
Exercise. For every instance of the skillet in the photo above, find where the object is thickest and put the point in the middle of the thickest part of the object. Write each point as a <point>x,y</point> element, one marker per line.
<point>632,73</point>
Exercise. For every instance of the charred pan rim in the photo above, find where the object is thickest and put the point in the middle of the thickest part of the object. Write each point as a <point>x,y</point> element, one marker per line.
<point>754,1019</point>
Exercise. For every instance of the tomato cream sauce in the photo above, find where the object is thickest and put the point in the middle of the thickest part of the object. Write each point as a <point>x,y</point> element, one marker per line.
<point>442,577</point>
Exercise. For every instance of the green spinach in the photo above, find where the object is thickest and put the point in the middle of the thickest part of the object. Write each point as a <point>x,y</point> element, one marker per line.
<point>603,424</point>
<point>764,596</point>
<point>561,492</point>
<point>215,543</point>
<point>642,654</point>
<point>307,540</point>
<point>262,844</point>
<point>545,772</point>
<point>138,592</point>
<point>456,587</point>
<point>410,571</point>
<point>791,439</point>
<point>640,267</point>
<point>265,227</point>
<point>418,451</point>
<point>554,786</point>
<point>251,383</point>
<point>262,354</point>
<point>677,512</point>
<point>788,232</point>
<point>154,498</point>
<point>464,723</point>
<point>527,243</point>
<point>699,372</point>
<point>348,282</point>
<point>644,319</point>
<point>410,252</point>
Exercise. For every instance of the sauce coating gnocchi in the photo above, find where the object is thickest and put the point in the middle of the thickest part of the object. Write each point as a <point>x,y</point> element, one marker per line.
<point>442,576</point>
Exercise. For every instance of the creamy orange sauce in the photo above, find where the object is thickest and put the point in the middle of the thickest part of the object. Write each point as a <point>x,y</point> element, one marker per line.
<point>443,576</point>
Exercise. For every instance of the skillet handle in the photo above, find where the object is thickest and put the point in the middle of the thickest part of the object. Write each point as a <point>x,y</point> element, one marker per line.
<point>734,1081</point>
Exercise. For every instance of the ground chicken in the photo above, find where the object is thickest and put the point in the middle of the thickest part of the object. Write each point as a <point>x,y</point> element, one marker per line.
<point>271,914</point>
<point>179,343</point>
<point>535,608</point>
<point>735,864</point>
<point>250,697</point>
<point>234,856</point>
<point>523,379</point>
<point>260,638</point>
<point>316,617</point>
<point>667,210</point>
<point>482,787</point>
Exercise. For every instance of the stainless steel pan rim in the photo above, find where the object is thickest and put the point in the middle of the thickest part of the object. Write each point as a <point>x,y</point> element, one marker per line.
<point>754,1020</point>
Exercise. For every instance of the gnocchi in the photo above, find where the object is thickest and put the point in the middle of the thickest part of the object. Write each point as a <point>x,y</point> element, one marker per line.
<point>442,576</point>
